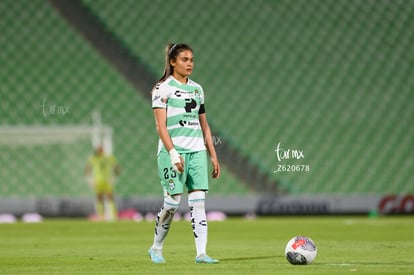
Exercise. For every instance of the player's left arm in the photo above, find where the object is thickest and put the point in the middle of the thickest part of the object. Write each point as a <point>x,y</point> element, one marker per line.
<point>117,169</point>
<point>208,140</point>
<point>116,166</point>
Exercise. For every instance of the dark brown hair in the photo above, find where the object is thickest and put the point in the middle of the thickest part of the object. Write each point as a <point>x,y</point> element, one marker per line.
<point>171,53</point>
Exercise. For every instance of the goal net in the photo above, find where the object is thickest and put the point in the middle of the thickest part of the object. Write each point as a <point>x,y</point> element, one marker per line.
<point>48,161</point>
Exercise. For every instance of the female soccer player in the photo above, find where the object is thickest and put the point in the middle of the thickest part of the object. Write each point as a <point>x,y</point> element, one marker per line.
<point>180,117</point>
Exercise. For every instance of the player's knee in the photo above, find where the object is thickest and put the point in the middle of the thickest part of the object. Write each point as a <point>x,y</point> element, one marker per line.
<point>171,203</point>
<point>197,199</point>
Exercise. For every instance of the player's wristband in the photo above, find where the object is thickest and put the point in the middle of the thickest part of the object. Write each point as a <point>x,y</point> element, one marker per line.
<point>175,158</point>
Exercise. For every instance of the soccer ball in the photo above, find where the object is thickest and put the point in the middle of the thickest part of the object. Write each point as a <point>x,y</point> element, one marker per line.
<point>300,250</point>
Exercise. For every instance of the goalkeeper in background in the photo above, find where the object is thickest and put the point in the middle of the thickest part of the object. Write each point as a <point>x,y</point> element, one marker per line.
<point>101,171</point>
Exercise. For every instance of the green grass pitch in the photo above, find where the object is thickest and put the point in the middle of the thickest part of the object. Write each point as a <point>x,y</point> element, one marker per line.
<point>346,245</point>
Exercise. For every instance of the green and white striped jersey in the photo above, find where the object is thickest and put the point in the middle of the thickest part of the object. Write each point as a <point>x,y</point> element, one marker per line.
<point>182,102</point>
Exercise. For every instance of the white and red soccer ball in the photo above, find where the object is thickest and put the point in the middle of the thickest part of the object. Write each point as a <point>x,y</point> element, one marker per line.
<point>300,250</point>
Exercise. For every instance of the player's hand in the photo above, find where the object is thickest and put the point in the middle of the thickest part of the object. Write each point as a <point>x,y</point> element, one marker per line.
<point>177,161</point>
<point>216,168</point>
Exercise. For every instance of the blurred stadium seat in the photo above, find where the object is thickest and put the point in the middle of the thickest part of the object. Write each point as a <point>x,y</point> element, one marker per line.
<point>330,78</point>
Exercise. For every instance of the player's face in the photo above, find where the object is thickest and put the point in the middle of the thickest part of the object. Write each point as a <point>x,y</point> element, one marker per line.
<point>183,65</point>
<point>99,150</point>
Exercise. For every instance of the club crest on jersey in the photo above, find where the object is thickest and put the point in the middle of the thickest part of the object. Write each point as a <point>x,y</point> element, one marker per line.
<point>197,93</point>
<point>171,184</point>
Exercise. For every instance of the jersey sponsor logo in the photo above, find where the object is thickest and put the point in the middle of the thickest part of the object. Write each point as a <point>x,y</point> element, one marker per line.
<point>196,93</point>
<point>190,116</point>
<point>188,123</point>
<point>190,104</point>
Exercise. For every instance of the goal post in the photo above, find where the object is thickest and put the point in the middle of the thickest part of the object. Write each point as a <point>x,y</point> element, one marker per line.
<point>48,161</point>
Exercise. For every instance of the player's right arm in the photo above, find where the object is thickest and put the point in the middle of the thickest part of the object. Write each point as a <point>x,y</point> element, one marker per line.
<point>160,97</point>
<point>160,115</point>
<point>88,172</point>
